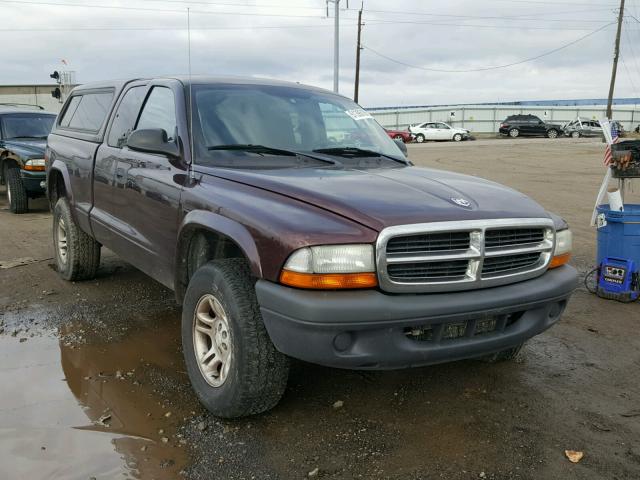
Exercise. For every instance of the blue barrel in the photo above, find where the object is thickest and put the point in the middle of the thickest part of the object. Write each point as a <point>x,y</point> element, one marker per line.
<point>620,236</point>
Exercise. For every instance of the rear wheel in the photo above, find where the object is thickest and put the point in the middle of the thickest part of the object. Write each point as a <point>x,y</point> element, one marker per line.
<point>420,138</point>
<point>457,137</point>
<point>504,355</point>
<point>234,368</point>
<point>514,132</point>
<point>77,254</point>
<point>16,192</point>
<point>552,133</point>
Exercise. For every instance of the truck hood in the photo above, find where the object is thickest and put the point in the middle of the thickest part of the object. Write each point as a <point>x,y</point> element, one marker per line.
<point>26,148</point>
<point>383,197</point>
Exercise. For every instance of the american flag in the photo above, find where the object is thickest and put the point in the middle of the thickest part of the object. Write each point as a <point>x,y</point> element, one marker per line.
<point>615,137</point>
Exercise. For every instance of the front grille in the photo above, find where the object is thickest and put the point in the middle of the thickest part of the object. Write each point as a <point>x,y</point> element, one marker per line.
<point>513,236</point>
<point>448,256</point>
<point>508,263</point>
<point>432,242</point>
<point>448,270</point>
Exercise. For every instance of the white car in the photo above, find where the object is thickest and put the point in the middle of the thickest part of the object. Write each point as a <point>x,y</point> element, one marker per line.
<point>437,131</point>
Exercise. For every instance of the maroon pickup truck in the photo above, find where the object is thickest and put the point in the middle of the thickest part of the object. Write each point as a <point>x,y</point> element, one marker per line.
<point>290,225</point>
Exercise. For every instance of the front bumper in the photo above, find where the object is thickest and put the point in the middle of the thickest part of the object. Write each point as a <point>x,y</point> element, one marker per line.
<point>34,182</point>
<point>369,329</point>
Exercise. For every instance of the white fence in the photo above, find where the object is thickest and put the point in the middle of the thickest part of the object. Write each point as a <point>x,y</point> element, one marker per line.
<point>487,118</point>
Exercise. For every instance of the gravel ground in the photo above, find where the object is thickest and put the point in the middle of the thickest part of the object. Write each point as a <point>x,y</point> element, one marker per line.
<point>94,386</point>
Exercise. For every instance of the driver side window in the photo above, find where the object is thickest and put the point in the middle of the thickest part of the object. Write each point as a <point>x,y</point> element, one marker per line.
<point>159,111</point>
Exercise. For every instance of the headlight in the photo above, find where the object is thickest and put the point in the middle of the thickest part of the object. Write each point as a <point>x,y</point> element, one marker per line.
<point>562,248</point>
<point>331,267</point>
<point>34,165</point>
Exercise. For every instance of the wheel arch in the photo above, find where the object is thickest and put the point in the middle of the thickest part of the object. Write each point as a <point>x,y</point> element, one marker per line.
<point>58,183</point>
<point>205,236</point>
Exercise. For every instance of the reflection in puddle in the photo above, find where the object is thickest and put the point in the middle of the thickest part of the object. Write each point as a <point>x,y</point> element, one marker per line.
<point>90,410</point>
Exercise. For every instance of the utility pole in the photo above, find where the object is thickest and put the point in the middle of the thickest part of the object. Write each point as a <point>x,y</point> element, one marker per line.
<point>336,42</point>
<point>358,49</point>
<point>616,54</point>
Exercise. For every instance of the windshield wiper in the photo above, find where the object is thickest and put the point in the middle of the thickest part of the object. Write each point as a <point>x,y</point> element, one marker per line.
<point>39,137</point>
<point>356,152</point>
<point>263,149</point>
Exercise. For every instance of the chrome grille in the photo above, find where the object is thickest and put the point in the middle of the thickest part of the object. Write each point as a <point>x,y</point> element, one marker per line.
<point>513,236</point>
<point>430,242</point>
<point>495,265</point>
<point>449,256</point>
<point>453,269</point>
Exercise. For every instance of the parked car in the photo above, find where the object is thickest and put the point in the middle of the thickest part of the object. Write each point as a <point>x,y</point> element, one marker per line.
<point>403,135</point>
<point>583,127</point>
<point>23,136</point>
<point>438,131</point>
<point>528,125</point>
<point>280,242</point>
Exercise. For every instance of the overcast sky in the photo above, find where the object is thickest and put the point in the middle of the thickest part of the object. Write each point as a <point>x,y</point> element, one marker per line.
<point>293,40</point>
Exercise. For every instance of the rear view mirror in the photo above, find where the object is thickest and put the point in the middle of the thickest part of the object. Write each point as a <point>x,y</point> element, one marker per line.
<point>402,147</point>
<point>153,140</point>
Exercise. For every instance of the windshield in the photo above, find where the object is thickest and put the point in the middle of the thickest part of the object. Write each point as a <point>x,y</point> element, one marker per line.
<point>285,118</point>
<point>29,125</point>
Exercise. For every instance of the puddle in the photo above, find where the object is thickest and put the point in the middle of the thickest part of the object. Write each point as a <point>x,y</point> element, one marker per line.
<point>74,410</point>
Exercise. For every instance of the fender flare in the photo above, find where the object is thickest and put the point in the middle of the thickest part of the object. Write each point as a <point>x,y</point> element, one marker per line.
<point>218,224</point>
<point>60,168</point>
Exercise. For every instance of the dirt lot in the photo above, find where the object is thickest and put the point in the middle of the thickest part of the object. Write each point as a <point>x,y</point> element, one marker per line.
<point>92,383</point>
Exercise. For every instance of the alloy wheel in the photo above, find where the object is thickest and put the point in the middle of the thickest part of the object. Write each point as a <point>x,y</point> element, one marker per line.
<point>212,340</point>
<point>61,241</point>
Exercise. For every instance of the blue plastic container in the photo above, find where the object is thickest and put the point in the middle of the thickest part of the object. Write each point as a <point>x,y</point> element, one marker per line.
<point>619,237</point>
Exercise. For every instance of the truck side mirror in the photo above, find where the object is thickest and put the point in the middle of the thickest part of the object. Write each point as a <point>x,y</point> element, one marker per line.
<point>402,147</point>
<point>153,140</point>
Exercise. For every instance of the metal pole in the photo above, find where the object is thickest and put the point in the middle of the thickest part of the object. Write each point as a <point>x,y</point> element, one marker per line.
<point>336,45</point>
<point>358,49</point>
<point>616,54</point>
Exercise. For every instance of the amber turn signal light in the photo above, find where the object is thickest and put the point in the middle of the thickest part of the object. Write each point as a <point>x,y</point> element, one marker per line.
<point>328,281</point>
<point>34,168</point>
<point>560,260</point>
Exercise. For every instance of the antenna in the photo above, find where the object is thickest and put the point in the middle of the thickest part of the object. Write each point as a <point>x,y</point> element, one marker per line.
<point>190,89</point>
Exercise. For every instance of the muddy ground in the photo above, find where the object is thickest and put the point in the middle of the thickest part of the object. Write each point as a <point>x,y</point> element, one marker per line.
<point>92,382</point>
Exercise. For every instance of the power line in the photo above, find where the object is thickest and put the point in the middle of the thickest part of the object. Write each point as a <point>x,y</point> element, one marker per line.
<point>475,25</point>
<point>492,17</point>
<point>148,9</point>
<point>168,28</point>
<point>635,92</point>
<point>492,67</point>
<point>255,14</point>
<point>271,27</point>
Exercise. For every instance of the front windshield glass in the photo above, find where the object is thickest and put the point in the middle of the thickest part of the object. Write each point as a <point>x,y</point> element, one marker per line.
<point>32,125</point>
<point>286,118</point>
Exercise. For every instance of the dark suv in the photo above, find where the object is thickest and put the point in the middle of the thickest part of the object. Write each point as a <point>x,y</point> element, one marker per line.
<point>289,224</point>
<point>23,136</point>
<point>528,125</point>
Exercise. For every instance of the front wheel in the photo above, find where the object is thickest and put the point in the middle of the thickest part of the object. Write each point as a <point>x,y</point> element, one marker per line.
<point>398,137</point>
<point>552,134</point>
<point>514,132</point>
<point>420,138</point>
<point>575,134</point>
<point>234,368</point>
<point>77,254</point>
<point>457,137</point>
<point>16,192</point>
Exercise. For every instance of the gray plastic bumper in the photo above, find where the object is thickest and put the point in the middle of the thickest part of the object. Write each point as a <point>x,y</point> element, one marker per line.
<point>368,329</point>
